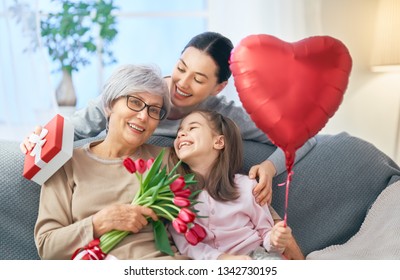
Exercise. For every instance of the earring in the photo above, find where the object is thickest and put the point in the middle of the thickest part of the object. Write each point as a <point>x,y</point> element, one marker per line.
<point>107,123</point>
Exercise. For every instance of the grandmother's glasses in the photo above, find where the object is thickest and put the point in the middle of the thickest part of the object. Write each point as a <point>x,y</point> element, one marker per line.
<point>136,104</point>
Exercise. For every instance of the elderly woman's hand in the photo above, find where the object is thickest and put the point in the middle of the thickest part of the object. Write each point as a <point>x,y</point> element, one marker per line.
<point>265,171</point>
<point>125,217</point>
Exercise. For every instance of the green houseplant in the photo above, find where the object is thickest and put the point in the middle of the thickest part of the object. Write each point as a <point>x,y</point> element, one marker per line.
<point>73,34</point>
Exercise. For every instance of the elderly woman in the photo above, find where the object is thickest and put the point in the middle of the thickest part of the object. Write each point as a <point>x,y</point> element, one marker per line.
<point>91,194</point>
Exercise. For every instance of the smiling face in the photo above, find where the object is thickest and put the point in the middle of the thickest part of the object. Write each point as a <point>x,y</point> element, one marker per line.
<point>197,144</point>
<point>131,128</point>
<point>194,79</point>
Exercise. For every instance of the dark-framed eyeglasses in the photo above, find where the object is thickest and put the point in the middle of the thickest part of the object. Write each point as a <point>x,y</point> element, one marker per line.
<point>136,104</point>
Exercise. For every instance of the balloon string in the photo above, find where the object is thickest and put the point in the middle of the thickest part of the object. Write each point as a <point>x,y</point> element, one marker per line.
<point>287,183</point>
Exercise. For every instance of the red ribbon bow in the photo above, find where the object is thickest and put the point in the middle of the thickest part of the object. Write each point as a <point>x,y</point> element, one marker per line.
<point>287,183</point>
<point>92,251</point>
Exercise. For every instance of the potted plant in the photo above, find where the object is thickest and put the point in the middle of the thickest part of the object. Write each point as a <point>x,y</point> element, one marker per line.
<point>72,35</point>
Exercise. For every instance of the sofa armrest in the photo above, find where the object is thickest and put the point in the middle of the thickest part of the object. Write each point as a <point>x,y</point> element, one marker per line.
<point>19,206</point>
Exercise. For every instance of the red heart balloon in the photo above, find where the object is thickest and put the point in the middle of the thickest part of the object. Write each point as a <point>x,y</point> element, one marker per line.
<point>290,90</point>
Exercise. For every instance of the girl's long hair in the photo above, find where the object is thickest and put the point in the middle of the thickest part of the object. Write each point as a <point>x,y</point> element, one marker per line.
<point>220,183</point>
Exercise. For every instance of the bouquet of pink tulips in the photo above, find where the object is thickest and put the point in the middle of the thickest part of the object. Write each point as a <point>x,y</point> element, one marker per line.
<point>169,197</point>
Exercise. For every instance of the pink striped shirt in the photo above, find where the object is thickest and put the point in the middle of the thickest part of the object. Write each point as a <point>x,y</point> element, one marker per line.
<point>235,227</point>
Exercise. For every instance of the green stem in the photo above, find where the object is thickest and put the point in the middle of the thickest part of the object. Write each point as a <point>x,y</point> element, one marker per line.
<point>164,197</point>
<point>136,198</point>
<point>173,206</point>
<point>111,239</point>
<point>144,199</point>
<point>140,178</point>
<point>169,216</point>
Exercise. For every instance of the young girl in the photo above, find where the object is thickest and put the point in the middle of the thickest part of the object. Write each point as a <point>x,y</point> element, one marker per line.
<point>237,227</point>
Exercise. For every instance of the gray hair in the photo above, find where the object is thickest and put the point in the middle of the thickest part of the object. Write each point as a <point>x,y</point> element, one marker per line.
<point>129,78</point>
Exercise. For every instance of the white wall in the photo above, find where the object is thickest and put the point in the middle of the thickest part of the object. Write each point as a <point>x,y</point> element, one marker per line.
<point>372,100</point>
<point>371,104</point>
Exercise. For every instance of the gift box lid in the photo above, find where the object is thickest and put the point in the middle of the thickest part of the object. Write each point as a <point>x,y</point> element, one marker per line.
<point>59,138</point>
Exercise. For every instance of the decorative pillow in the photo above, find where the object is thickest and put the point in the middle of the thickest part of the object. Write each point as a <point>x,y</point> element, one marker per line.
<point>378,237</point>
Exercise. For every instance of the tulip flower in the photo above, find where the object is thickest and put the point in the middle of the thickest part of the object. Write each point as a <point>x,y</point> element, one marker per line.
<point>186,215</point>
<point>150,162</point>
<point>181,201</point>
<point>199,230</point>
<point>183,193</point>
<point>179,225</point>
<point>141,166</point>
<point>195,234</point>
<point>159,191</point>
<point>192,237</point>
<point>130,165</point>
<point>178,184</point>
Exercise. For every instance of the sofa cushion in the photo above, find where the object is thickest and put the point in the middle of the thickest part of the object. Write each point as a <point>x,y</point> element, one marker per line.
<point>332,189</point>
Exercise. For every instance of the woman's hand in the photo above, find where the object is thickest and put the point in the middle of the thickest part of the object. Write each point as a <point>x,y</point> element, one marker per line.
<point>27,146</point>
<point>125,217</point>
<point>280,236</point>
<point>265,171</point>
<point>233,257</point>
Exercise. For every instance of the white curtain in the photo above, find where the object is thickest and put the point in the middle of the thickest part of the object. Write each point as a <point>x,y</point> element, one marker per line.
<point>26,92</point>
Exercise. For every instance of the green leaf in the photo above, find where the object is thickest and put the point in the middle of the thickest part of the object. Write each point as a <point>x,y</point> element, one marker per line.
<point>194,194</point>
<point>174,168</point>
<point>190,179</point>
<point>171,179</point>
<point>155,180</point>
<point>90,46</point>
<point>161,237</point>
<point>156,190</point>
<point>154,168</point>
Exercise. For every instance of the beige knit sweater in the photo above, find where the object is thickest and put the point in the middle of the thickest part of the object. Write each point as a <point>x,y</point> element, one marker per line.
<point>82,187</point>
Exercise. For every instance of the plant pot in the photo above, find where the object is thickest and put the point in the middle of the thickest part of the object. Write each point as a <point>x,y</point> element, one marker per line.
<point>65,92</point>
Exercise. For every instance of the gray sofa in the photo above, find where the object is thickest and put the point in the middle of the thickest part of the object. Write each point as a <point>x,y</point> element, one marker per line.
<point>331,192</point>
